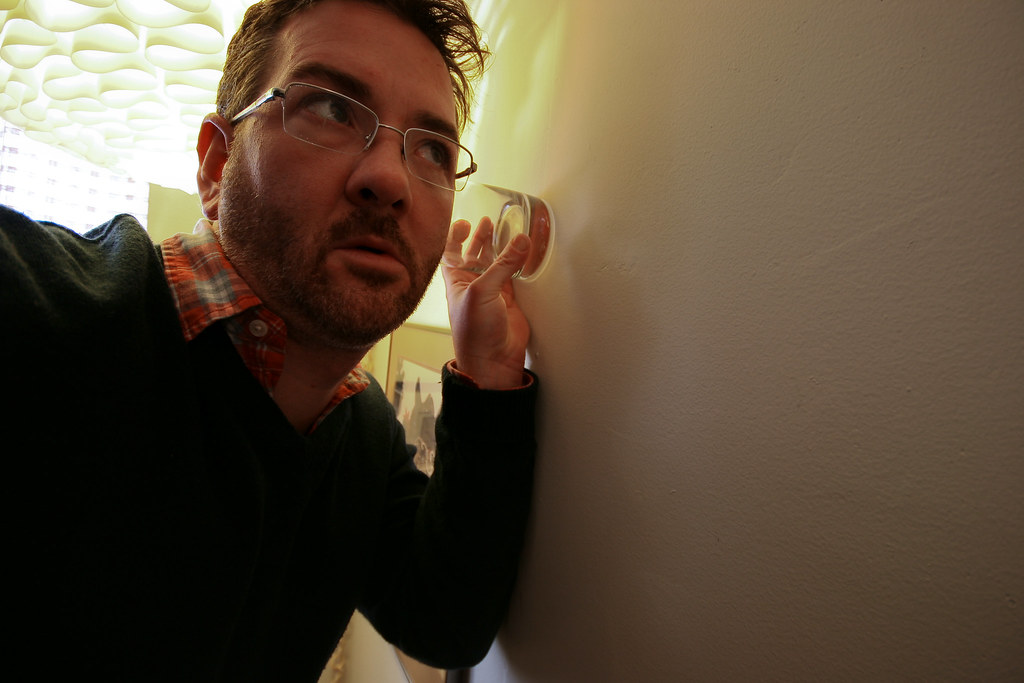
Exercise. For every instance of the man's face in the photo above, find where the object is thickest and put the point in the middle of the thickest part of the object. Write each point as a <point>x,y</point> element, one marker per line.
<point>342,247</point>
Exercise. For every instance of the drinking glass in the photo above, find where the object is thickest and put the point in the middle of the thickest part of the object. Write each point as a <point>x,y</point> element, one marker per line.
<point>499,214</point>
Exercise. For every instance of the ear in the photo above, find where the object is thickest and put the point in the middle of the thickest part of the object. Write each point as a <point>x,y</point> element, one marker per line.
<point>215,136</point>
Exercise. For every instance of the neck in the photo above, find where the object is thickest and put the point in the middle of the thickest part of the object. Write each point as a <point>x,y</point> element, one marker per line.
<point>309,380</point>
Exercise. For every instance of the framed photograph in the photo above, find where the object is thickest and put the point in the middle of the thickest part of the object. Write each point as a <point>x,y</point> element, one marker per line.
<point>417,354</point>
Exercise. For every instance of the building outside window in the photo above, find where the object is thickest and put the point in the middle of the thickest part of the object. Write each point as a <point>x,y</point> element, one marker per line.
<point>49,184</point>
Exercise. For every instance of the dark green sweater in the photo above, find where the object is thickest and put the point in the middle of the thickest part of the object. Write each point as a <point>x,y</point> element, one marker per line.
<point>168,523</point>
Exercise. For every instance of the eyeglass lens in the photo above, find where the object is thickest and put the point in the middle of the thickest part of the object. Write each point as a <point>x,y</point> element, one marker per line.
<point>336,122</point>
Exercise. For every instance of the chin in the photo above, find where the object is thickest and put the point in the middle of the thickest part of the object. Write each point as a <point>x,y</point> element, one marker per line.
<point>350,319</point>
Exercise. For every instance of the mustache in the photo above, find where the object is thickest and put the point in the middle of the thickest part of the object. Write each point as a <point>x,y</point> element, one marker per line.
<point>364,222</point>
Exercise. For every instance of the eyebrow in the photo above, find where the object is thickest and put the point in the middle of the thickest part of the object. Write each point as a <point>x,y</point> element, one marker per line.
<point>357,89</point>
<point>436,124</point>
<point>344,83</point>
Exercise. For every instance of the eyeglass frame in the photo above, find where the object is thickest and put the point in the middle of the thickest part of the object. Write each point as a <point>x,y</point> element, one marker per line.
<point>276,92</point>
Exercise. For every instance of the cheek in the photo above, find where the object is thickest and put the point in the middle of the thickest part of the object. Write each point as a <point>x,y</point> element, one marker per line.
<point>243,171</point>
<point>275,165</point>
<point>435,227</point>
<point>432,243</point>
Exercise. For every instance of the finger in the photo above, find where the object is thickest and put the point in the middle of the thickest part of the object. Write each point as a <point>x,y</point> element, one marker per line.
<point>478,254</point>
<point>481,239</point>
<point>508,264</point>
<point>457,234</point>
<point>487,249</point>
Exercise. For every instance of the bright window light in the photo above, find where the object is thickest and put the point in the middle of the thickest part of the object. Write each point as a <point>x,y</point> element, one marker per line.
<point>48,184</point>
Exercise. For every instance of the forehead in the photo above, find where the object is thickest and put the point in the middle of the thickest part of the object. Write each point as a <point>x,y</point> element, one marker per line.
<point>401,72</point>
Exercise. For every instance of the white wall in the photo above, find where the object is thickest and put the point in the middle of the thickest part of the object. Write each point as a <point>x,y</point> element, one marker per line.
<point>782,341</point>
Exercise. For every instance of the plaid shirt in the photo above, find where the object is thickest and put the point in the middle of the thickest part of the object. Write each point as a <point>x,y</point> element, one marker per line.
<point>206,288</point>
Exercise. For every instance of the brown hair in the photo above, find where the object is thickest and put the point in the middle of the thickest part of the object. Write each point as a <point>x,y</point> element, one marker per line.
<point>446,23</point>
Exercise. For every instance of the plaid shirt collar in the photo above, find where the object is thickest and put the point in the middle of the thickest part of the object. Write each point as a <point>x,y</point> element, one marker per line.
<point>206,289</point>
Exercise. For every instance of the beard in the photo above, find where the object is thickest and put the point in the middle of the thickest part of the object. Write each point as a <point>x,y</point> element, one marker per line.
<point>286,267</point>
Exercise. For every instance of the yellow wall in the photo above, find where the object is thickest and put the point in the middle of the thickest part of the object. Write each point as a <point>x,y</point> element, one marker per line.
<point>171,211</point>
<point>782,415</point>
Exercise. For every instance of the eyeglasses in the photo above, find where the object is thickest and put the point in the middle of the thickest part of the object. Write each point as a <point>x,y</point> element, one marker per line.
<point>336,122</point>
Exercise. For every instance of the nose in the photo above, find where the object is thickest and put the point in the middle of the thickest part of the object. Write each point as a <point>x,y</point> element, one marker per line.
<point>379,177</point>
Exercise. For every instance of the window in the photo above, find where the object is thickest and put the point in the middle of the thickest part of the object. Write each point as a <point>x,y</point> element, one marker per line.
<point>49,184</point>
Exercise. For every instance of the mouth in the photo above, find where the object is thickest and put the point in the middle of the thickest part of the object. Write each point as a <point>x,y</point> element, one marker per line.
<point>370,255</point>
<point>371,244</point>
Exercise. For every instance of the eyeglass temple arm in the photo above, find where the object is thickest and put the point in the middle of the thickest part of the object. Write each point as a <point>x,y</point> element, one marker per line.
<point>260,101</point>
<point>468,172</point>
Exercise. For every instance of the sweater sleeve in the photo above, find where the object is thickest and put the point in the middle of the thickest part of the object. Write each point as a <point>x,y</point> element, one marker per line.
<point>443,598</point>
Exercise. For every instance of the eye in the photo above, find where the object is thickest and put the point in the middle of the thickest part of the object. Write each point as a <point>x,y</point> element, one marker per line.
<point>437,152</point>
<point>329,108</point>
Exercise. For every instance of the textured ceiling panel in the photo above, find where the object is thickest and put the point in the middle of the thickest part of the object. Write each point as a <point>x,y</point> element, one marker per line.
<point>122,83</point>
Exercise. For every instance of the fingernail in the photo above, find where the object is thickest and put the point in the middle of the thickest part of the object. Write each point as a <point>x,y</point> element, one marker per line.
<point>520,243</point>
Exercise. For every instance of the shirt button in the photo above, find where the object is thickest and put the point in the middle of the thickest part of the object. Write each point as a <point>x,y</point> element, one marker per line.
<point>258,328</point>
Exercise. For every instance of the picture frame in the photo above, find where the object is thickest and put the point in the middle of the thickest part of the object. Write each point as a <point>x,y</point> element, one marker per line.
<point>416,355</point>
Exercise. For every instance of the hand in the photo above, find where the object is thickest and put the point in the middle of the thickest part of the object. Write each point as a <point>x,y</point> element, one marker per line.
<point>489,329</point>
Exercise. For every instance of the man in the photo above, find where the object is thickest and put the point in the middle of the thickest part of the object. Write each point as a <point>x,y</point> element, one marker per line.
<point>210,486</point>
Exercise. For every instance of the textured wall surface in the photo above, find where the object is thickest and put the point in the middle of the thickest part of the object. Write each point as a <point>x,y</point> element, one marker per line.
<point>782,339</point>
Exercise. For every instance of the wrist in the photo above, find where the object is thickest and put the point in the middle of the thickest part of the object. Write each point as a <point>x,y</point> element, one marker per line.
<point>494,378</point>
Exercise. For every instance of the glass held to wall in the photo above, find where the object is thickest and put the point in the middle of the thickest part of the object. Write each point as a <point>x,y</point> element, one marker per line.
<point>496,215</point>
